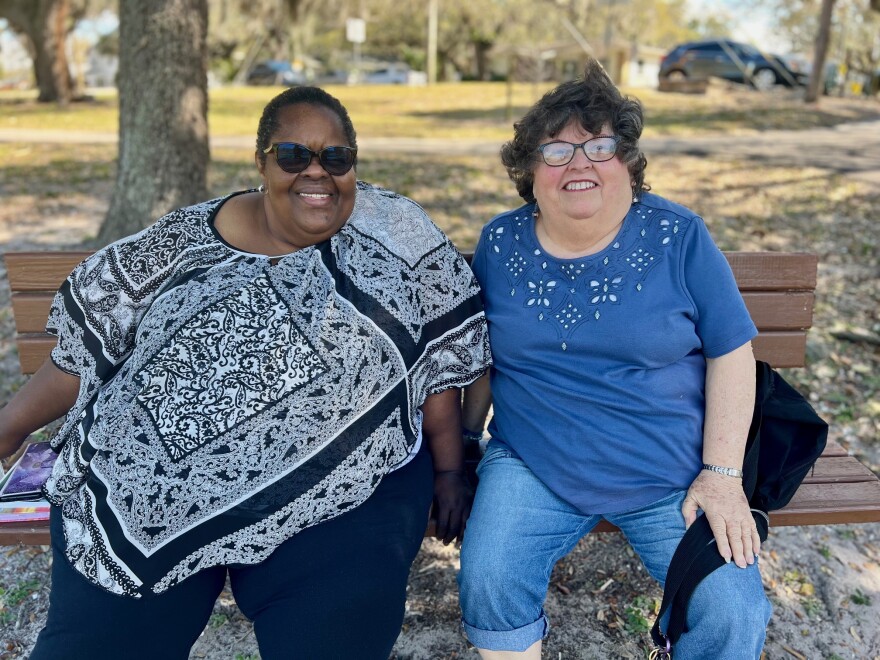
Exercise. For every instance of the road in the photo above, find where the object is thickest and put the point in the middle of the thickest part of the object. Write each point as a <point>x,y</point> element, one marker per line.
<point>852,148</point>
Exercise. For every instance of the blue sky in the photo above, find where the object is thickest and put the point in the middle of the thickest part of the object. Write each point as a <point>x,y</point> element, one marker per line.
<point>753,23</point>
<point>91,29</point>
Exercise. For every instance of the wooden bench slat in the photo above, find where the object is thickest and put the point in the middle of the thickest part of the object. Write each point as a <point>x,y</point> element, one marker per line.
<point>33,351</point>
<point>29,533</point>
<point>769,311</point>
<point>782,310</point>
<point>40,271</point>
<point>838,469</point>
<point>826,504</point>
<point>834,449</point>
<point>31,311</point>
<point>781,349</point>
<point>759,271</point>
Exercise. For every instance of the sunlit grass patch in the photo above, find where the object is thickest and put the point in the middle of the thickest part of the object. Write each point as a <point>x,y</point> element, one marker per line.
<point>473,110</point>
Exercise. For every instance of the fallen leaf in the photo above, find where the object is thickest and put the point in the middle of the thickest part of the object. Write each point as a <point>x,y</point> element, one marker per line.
<point>796,654</point>
<point>605,585</point>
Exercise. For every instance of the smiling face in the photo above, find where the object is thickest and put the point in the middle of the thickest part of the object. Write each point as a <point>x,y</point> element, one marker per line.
<point>307,208</point>
<point>582,191</point>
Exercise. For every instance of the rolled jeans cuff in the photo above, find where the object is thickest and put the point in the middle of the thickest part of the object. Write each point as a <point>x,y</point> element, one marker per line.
<point>518,639</point>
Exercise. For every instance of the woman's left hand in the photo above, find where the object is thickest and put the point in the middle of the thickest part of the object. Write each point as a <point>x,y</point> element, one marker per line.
<point>725,506</point>
<point>452,504</point>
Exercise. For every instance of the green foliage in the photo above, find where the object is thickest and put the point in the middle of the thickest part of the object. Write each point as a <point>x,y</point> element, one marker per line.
<point>813,607</point>
<point>860,598</point>
<point>15,594</point>
<point>108,44</point>
<point>217,620</point>
<point>12,596</point>
<point>639,614</point>
<point>824,551</point>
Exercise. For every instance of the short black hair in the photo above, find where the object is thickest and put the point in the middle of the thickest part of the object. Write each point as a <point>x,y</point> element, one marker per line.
<point>594,101</point>
<point>304,95</point>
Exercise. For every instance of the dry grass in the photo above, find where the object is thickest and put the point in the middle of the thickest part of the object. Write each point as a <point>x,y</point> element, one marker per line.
<point>462,110</point>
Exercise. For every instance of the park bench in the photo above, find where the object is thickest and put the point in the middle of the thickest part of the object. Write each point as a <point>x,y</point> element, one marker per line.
<point>777,288</point>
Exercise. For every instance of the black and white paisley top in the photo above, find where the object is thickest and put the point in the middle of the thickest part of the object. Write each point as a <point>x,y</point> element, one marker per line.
<point>227,403</point>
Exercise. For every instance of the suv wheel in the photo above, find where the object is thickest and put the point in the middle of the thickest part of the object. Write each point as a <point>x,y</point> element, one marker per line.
<point>764,79</point>
<point>676,76</point>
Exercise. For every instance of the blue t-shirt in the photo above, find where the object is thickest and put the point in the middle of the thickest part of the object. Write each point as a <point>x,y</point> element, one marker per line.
<point>600,362</point>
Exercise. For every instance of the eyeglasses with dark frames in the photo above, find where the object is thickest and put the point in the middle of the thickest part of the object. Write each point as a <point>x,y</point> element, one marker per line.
<point>597,149</point>
<point>293,157</point>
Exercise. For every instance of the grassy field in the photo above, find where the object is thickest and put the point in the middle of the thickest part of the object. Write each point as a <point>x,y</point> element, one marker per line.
<point>462,110</point>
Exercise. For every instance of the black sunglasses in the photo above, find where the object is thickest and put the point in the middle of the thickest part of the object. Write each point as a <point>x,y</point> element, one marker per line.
<point>293,158</point>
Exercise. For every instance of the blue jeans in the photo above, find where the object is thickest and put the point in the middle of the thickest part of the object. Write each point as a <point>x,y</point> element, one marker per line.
<point>519,529</point>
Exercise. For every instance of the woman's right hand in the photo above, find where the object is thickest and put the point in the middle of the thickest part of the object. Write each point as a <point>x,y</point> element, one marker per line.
<point>453,496</point>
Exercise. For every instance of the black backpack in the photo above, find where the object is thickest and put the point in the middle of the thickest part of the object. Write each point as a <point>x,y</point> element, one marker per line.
<point>786,438</point>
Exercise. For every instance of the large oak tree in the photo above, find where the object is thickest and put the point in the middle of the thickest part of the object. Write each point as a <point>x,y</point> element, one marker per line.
<point>45,25</point>
<point>163,104</point>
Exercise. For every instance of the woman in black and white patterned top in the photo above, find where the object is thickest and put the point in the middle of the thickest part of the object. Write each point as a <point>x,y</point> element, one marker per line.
<point>256,386</point>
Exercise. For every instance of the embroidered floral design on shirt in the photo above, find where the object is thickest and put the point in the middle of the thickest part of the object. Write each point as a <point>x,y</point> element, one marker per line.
<point>538,293</point>
<point>570,293</point>
<point>606,290</point>
<point>668,230</point>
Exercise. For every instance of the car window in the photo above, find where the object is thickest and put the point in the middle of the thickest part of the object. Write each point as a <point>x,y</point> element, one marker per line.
<point>748,51</point>
<point>706,48</point>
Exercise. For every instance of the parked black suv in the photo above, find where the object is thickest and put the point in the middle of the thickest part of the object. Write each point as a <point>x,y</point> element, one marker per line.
<point>730,60</point>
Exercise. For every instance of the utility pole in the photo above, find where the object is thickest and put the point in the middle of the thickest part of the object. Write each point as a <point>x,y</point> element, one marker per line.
<point>432,41</point>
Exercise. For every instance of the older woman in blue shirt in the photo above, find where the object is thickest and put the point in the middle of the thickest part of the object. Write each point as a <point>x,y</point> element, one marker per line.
<point>622,385</point>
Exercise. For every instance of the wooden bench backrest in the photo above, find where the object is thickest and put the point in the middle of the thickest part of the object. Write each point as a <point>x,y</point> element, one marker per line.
<point>778,290</point>
<point>777,287</point>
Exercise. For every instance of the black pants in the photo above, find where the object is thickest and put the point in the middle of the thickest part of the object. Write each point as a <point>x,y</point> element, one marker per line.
<point>335,591</point>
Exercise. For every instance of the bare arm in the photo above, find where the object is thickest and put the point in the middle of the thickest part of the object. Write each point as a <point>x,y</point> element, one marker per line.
<point>441,424</point>
<point>730,399</point>
<point>48,395</point>
<point>477,400</point>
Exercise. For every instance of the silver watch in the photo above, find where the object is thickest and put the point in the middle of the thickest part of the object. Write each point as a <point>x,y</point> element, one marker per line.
<point>726,471</point>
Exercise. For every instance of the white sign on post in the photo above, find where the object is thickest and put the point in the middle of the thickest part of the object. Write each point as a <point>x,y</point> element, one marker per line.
<point>356,30</point>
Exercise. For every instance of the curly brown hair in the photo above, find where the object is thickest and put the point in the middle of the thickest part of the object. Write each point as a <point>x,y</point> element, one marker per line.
<point>594,101</point>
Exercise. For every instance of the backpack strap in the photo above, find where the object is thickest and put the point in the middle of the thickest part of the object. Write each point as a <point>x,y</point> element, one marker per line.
<point>695,557</point>
<point>697,554</point>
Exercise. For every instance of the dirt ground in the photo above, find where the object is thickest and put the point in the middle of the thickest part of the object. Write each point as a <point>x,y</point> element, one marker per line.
<point>824,582</point>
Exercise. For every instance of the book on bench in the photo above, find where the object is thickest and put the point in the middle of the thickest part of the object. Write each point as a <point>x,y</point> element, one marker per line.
<point>21,498</point>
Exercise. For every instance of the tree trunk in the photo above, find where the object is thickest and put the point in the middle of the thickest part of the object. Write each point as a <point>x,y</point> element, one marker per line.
<point>163,105</point>
<point>481,58</point>
<point>814,89</point>
<point>46,24</point>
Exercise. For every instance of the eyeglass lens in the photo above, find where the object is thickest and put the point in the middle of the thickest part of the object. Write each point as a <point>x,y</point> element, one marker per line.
<point>597,149</point>
<point>294,158</point>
